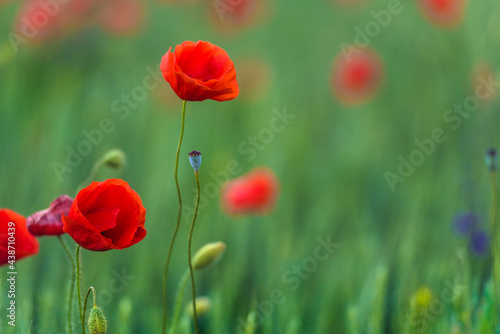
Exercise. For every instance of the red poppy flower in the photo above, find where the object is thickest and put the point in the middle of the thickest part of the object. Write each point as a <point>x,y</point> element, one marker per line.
<point>121,16</point>
<point>49,222</point>
<point>13,233</point>
<point>200,71</point>
<point>356,75</point>
<point>254,193</point>
<point>106,215</point>
<point>443,13</point>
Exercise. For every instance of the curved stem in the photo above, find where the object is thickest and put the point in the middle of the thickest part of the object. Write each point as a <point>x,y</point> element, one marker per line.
<point>178,301</point>
<point>165,271</point>
<point>72,285</point>
<point>85,305</point>
<point>93,172</point>
<point>195,316</point>
<point>78,247</point>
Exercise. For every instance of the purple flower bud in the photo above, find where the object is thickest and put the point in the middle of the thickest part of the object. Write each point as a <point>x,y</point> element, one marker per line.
<point>465,223</point>
<point>48,221</point>
<point>479,242</point>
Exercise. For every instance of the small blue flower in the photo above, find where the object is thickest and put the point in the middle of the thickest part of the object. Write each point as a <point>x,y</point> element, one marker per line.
<point>195,159</point>
<point>479,242</point>
<point>465,223</point>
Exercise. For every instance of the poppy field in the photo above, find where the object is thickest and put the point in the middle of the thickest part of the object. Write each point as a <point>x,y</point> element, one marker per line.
<point>296,167</point>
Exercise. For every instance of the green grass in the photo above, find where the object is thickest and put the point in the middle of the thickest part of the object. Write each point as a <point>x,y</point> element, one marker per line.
<point>330,161</point>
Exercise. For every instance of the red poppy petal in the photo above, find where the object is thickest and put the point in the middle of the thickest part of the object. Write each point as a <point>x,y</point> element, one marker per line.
<point>86,236</point>
<point>103,219</point>
<point>25,243</point>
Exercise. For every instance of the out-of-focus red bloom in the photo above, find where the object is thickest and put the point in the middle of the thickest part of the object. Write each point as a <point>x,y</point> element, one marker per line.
<point>40,21</point>
<point>443,13</point>
<point>120,16</point>
<point>200,71</point>
<point>49,221</point>
<point>357,74</point>
<point>228,15</point>
<point>106,215</point>
<point>13,232</point>
<point>253,193</point>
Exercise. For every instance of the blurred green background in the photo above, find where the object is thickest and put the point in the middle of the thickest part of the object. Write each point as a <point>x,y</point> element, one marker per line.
<point>330,159</point>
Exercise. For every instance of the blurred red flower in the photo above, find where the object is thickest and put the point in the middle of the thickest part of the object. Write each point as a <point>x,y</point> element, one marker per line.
<point>13,232</point>
<point>443,13</point>
<point>230,16</point>
<point>200,71</point>
<point>253,193</point>
<point>48,221</point>
<point>357,74</point>
<point>39,21</point>
<point>120,16</point>
<point>106,215</point>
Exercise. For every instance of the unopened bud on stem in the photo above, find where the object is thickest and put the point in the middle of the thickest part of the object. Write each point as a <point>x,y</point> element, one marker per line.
<point>97,321</point>
<point>208,254</point>
<point>203,305</point>
<point>114,159</point>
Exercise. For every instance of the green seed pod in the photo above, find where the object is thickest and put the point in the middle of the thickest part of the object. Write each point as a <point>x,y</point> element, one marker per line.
<point>97,321</point>
<point>203,305</point>
<point>195,159</point>
<point>114,159</point>
<point>491,159</point>
<point>208,254</point>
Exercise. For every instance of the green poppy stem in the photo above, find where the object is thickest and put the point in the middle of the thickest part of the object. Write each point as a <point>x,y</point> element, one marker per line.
<point>72,285</point>
<point>77,256</point>
<point>494,246</point>
<point>85,305</point>
<point>195,316</point>
<point>178,301</point>
<point>167,263</point>
<point>93,173</point>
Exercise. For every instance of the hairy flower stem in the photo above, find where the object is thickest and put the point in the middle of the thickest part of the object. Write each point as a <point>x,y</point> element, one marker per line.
<point>165,271</point>
<point>85,305</point>
<point>77,272</point>
<point>195,316</point>
<point>72,285</point>
<point>178,301</point>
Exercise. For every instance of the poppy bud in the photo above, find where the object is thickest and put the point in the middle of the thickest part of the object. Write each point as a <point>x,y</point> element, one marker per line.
<point>203,305</point>
<point>97,321</point>
<point>114,159</point>
<point>491,159</point>
<point>422,297</point>
<point>208,254</point>
<point>195,159</point>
